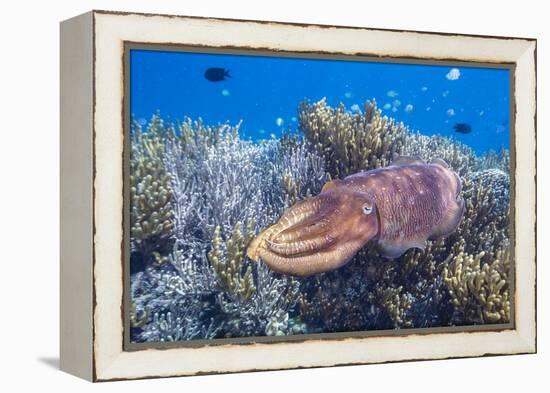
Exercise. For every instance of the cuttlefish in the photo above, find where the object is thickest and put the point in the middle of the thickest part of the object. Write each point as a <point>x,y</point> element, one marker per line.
<point>396,208</point>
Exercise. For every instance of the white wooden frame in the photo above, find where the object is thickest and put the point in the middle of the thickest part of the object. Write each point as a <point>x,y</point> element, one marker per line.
<point>92,198</point>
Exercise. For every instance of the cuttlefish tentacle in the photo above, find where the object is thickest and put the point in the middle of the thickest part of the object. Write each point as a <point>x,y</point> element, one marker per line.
<point>300,246</point>
<point>311,227</point>
<point>398,207</point>
<point>308,264</point>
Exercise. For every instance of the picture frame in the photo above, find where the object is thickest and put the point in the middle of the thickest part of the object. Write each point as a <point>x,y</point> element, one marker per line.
<point>95,154</point>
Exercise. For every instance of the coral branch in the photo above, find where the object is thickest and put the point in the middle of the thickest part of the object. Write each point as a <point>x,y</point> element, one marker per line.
<point>199,193</point>
<point>150,190</point>
<point>227,258</point>
<point>351,142</point>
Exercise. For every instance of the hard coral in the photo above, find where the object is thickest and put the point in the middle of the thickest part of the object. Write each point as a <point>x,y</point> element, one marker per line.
<point>420,288</point>
<point>151,213</point>
<point>480,291</point>
<point>351,142</point>
<point>223,190</point>
<point>227,258</point>
<point>209,191</point>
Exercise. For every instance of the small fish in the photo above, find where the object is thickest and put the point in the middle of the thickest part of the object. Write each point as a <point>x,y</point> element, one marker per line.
<point>409,108</point>
<point>453,74</point>
<point>216,74</point>
<point>392,93</point>
<point>463,128</point>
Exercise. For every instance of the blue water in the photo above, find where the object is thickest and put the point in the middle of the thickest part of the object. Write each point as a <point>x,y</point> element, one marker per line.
<point>264,93</point>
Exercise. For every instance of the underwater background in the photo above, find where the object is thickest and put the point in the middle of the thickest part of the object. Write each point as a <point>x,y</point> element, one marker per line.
<point>222,145</point>
<point>263,93</point>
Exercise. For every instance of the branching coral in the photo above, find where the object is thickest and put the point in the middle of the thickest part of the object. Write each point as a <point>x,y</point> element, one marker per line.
<point>459,156</point>
<point>479,291</point>
<point>224,189</point>
<point>266,312</point>
<point>411,290</point>
<point>210,191</point>
<point>227,258</point>
<point>396,304</point>
<point>168,307</point>
<point>496,160</point>
<point>351,142</point>
<point>181,324</point>
<point>150,190</point>
<point>486,220</point>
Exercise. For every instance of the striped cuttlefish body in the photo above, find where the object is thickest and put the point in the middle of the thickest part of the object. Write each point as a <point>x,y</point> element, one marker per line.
<point>399,207</point>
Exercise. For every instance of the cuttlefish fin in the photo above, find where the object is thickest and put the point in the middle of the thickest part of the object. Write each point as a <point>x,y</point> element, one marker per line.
<point>451,220</point>
<point>406,160</point>
<point>396,248</point>
<point>331,184</point>
<point>440,162</point>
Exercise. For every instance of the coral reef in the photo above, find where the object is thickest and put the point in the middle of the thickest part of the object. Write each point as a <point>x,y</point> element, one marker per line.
<point>351,142</point>
<point>200,193</point>
<point>476,272</point>
<point>421,288</point>
<point>228,264</point>
<point>479,290</point>
<point>223,190</point>
<point>151,213</point>
<point>459,156</point>
<point>396,303</point>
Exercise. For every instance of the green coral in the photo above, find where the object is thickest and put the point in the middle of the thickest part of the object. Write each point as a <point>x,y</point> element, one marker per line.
<point>421,283</point>
<point>396,303</point>
<point>209,183</point>
<point>479,290</point>
<point>290,188</point>
<point>227,259</point>
<point>151,211</point>
<point>351,142</point>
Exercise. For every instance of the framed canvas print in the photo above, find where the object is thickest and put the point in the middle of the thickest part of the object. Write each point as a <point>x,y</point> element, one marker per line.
<point>245,195</point>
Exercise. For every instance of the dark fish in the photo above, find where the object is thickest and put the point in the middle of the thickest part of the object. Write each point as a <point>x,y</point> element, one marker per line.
<point>216,74</point>
<point>463,128</point>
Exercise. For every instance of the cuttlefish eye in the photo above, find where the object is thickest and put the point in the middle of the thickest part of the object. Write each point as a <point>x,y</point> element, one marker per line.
<point>367,209</point>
